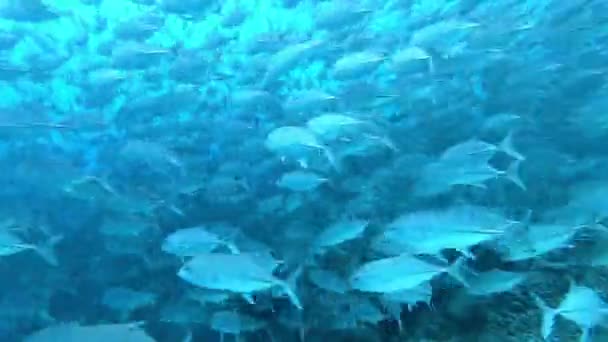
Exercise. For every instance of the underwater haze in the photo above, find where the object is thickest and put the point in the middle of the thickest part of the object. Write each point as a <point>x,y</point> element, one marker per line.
<point>303,170</point>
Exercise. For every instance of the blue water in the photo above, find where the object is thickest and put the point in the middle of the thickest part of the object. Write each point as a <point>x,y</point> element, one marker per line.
<point>307,142</point>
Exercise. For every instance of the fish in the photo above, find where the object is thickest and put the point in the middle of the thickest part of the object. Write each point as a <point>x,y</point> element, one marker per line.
<point>288,58</point>
<point>301,166</point>
<point>336,14</point>
<point>581,305</point>
<point>479,149</point>
<point>401,272</point>
<point>421,293</point>
<point>296,142</point>
<point>187,9</point>
<point>125,300</point>
<point>536,240</point>
<point>494,281</point>
<point>72,332</point>
<point>356,64</point>
<point>130,55</point>
<point>91,188</point>
<point>301,181</point>
<point>443,175</point>
<point>332,126</point>
<point>411,60</point>
<point>339,232</point>
<point>12,244</point>
<point>467,163</point>
<point>29,11</point>
<point>430,232</point>
<point>237,273</point>
<point>252,99</point>
<point>138,28</point>
<point>307,101</point>
<point>189,242</point>
<point>443,34</point>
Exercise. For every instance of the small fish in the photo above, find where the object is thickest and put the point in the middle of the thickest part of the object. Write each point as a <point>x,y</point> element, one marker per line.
<point>400,273</point>
<point>332,126</point>
<point>357,64</point>
<point>125,300</point>
<point>411,60</point>
<point>235,17</point>
<point>339,232</point>
<point>252,99</point>
<point>501,123</point>
<point>238,273</point>
<point>493,282</point>
<point>582,305</point>
<point>410,297</point>
<point>431,231</point>
<point>138,28</point>
<point>283,61</point>
<point>301,181</point>
<point>296,142</point>
<point>443,35</point>
<point>11,244</point>
<point>307,101</point>
<point>100,332</point>
<point>91,188</point>
<point>479,149</point>
<point>441,176</point>
<point>132,55</point>
<point>206,296</point>
<point>189,242</point>
<point>535,240</point>
<point>337,14</point>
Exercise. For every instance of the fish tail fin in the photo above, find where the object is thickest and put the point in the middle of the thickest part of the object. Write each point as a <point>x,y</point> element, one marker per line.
<point>248,298</point>
<point>431,66</point>
<point>512,174</point>
<point>188,337</point>
<point>293,298</point>
<point>548,317</point>
<point>385,141</point>
<point>526,218</point>
<point>295,276</point>
<point>233,248</point>
<point>586,335</point>
<point>302,334</point>
<point>176,210</point>
<point>459,271</point>
<point>506,146</point>
<point>47,250</point>
<point>331,158</point>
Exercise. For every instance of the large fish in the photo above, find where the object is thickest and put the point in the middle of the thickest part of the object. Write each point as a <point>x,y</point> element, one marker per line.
<point>582,305</point>
<point>236,273</point>
<point>400,273</point>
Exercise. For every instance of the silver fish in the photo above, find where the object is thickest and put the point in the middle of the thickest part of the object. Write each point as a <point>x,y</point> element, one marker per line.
<point>230,272</point>
<point>400,273</point>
